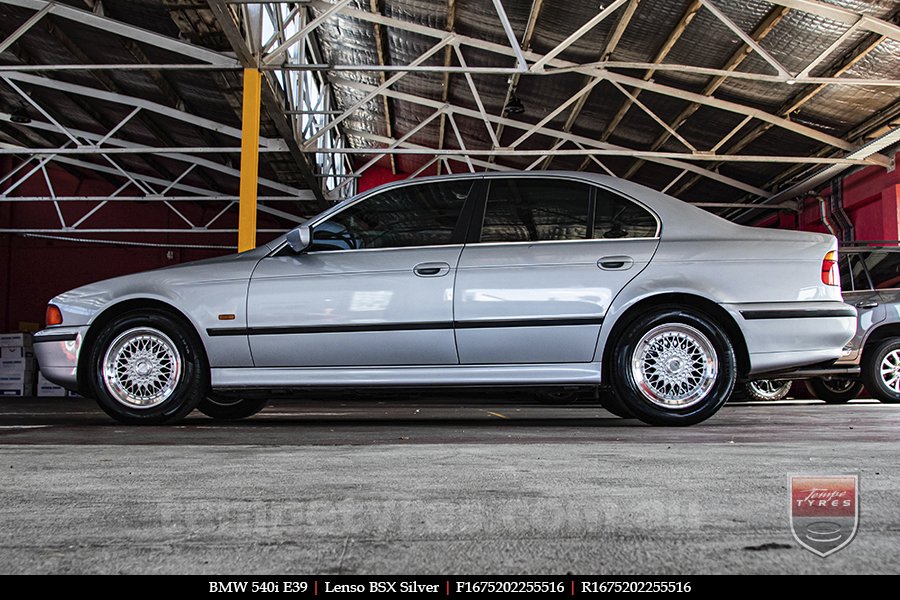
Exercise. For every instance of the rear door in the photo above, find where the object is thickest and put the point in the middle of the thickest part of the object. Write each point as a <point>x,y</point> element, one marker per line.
<point>536,279</point>
<point>858,290</point>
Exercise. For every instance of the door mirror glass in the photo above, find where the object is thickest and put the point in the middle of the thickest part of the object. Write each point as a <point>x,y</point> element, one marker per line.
<point>299,238</point>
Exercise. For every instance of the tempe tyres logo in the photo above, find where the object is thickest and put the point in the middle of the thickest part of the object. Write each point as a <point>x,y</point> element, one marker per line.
<point>824,512</point>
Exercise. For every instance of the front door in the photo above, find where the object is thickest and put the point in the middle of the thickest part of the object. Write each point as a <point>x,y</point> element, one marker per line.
<point>375,287</point>
<point>551,256</point>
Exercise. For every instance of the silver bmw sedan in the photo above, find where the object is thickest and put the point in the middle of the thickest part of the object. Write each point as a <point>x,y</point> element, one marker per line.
<point>489,279</point>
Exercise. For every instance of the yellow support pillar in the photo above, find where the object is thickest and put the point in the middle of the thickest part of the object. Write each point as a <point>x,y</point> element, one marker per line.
<point>249,159</point>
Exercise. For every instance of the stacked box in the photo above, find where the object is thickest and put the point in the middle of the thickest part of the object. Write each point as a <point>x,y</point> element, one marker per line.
<point>17,367</point>
<point>47,388</point>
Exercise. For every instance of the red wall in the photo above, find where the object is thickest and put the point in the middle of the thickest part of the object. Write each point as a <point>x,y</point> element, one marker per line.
<point>871,200</point>
<point>34,270</point>
<point>378,175</point>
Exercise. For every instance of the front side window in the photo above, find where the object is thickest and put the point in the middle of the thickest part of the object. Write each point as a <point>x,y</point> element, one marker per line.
<point>534,210</point>
<point>408,216</point>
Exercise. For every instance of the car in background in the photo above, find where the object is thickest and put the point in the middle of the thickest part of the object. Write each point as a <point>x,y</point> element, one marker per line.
<point>870,278</point>
<point>485,279</point>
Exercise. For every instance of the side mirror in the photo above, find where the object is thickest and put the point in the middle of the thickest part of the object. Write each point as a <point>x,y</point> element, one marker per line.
<point>299,238</point>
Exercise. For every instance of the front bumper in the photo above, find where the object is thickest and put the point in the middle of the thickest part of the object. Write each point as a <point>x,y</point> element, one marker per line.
<point>786,335</point>
<point>57,350</point>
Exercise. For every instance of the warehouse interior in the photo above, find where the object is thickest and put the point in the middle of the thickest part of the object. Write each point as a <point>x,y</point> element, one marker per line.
<point>121,121</point>
<point>139,134</point>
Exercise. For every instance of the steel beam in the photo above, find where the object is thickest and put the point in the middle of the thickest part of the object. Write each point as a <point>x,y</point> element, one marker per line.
<point>199,161</point>
<point>131,32</point>
<point>271,95</point>
<point>577,34</point>
<point>249,159</point>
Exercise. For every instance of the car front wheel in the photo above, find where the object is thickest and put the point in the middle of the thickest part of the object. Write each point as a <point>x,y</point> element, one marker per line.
<point>881,371</point>
<point>673,366</point>
<point>146,369</point>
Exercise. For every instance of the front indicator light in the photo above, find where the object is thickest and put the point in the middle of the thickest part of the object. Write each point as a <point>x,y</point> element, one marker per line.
<point>53,315</point>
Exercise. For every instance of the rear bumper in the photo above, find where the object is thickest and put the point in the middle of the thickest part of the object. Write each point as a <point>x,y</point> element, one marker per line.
<point>57,350</point>
<point>786,335</point>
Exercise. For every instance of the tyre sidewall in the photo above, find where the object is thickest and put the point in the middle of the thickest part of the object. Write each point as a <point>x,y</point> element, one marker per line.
<point>633,399</point>
<point>190,388</point>
<point>872,371</point>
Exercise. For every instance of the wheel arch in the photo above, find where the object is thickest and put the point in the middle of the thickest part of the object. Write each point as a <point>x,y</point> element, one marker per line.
<point>692,301</point>
<point>111,312</point>
<point>878,334</point>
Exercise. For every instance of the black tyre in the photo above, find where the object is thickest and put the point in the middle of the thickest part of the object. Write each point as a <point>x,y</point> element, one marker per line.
<point>881,370</point>
<point>767,390</point>
<point>837,390</point>
<point>673,366</point>
<point>612,404</point>
<point>147,367</point>
<point>226,408</point>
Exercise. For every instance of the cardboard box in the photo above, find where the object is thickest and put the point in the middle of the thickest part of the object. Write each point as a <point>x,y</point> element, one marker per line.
<point>48,389</point>
<point>7,352</point>
<point>16,339</point>
<point>17,384</point>
<point>16,365</point>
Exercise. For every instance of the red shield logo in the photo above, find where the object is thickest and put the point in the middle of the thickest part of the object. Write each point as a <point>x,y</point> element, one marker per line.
<point>824,512</point>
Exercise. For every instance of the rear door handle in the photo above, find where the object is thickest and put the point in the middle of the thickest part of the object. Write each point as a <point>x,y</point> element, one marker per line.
<point>431,269</point>
<point>615,263</point>
<point>866,304</point>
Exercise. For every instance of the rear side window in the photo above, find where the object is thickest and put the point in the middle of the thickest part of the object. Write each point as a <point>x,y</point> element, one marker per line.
<point>853,272</point>
<point>618,217</point>
<point>408,216</point>
<point>534,210</point>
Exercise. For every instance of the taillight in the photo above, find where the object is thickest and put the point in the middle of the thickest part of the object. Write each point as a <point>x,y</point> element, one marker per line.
<point>830,269</point>
<point>53,316</point>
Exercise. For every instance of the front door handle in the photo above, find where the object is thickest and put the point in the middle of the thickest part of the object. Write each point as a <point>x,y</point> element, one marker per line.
<point>866,304</point>
<point>431,269</point>
<point>615,263</point>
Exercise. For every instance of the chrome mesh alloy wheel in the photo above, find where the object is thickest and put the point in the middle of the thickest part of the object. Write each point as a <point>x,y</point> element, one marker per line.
<point>769,389</point>
<point>141,368</point>
<point>674,365</point>
<point>890,371</point>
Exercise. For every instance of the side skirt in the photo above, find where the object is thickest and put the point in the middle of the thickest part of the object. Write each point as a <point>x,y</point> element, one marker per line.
<point>455,375</point>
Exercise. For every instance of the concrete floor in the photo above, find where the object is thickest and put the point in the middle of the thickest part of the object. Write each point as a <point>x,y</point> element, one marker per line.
<point>336,486</point>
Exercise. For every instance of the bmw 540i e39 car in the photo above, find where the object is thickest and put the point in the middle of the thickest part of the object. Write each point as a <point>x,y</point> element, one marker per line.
<point>506,279</point>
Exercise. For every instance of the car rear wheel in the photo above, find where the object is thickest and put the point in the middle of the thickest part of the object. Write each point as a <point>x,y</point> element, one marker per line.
<point>836,390</point>
<point>767,390</point>
<point>881,371</point>
<point>146,368</point>
<point>226,408</point>
<point>673,366</point>
<point>612,404</point>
